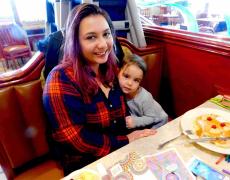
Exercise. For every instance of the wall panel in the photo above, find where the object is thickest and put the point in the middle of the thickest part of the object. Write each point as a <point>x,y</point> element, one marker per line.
<point>193,67</point>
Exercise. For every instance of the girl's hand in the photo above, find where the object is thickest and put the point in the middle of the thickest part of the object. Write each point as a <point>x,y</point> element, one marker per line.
<point>129,122</point>
<point>140,133</point>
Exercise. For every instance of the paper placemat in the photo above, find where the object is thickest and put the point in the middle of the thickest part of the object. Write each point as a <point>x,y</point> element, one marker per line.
<point>163,165</point>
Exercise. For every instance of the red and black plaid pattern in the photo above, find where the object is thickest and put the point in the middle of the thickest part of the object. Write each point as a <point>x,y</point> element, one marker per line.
<point>96,126</point>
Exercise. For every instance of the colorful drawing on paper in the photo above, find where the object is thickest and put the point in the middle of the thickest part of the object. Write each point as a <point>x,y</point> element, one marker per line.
<point>166,165</point>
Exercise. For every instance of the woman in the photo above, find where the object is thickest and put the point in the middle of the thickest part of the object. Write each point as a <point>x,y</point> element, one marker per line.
<point>82,98</point>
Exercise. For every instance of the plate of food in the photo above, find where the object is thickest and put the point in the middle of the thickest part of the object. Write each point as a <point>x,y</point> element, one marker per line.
<point>83,174</point>
<point>208,123</point>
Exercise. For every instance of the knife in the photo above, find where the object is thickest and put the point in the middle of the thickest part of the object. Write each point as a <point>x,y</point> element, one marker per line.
<point>204,139</point>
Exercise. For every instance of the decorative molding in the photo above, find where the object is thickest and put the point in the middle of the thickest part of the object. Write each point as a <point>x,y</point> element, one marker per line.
<point>140,50</point>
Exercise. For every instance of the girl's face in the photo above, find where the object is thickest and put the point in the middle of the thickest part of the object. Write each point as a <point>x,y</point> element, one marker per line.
<point>130,77</point>
<point>96,40</point>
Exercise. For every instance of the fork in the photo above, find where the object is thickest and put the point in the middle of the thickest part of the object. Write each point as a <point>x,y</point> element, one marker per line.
<point>186,132</point>
<point>160,146</point>
<point>205,139</point>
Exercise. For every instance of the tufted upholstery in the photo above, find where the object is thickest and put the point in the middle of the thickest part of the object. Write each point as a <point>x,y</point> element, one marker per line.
<point>23,121</point>
<point>20,116</point>
<point>23,125</point>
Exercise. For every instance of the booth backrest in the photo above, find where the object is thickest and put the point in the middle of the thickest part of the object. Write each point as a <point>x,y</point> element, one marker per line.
<point>23,120</point>
<point>23,125</point>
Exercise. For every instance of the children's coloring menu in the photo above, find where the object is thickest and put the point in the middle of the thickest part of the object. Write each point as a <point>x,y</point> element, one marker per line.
<point>166,165</point>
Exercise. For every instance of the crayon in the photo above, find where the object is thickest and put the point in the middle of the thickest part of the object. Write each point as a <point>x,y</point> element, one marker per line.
<point>227,158</point>
<point>220,159</point>
<point>226,171</point>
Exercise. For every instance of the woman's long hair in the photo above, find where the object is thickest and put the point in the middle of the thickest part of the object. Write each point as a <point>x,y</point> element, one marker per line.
<point>73,52</point>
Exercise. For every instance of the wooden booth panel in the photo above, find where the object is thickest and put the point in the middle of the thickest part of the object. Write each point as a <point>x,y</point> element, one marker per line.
<point>193,67</point>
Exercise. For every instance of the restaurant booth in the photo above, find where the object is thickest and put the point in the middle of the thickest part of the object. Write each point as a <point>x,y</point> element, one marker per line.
<point>24,150</point>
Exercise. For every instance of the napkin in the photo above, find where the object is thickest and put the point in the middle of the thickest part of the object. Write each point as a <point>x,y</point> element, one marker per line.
<point>221,101</point>
<point>224,99</point>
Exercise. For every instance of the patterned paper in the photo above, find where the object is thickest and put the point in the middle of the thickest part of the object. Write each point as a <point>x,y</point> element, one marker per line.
<point>166,165</point>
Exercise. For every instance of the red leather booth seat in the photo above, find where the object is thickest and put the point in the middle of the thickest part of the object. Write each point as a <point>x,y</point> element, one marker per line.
<point>23,125</point>
<point>23,121</point>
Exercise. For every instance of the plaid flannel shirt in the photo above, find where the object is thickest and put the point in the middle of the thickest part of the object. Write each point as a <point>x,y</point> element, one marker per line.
<point>96,127</point>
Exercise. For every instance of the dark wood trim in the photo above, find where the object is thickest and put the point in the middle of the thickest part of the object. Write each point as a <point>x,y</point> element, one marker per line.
<point>30,71</point>
<point>140,50</point>
<point>204,42</point>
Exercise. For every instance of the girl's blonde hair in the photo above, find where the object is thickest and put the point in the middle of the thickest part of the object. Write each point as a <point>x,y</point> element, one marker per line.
<point>134,59</point>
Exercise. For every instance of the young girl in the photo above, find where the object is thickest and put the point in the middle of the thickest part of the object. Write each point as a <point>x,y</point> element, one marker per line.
<point>145,111</point>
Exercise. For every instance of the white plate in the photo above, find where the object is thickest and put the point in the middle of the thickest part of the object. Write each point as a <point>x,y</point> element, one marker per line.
<point>187,124</point>
<point>87,173</point>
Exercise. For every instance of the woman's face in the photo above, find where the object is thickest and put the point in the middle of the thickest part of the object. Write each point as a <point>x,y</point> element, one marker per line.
<point>95,39</point>
<point>130,77</point>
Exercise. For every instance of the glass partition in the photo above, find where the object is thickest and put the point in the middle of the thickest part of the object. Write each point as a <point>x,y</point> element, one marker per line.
<point>206,16</point>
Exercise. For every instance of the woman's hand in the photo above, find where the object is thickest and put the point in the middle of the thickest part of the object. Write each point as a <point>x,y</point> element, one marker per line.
<point>129,122</point>
<point>140,133</point>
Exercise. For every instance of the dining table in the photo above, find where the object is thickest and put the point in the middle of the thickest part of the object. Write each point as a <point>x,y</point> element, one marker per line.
<point>149,145</point>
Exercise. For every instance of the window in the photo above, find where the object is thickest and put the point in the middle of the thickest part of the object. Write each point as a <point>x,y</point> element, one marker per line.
<point>28,12</point>
<point>30,16</point>
<point>207,16</point>
<point>6,15</point>
<point>31,10</point>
